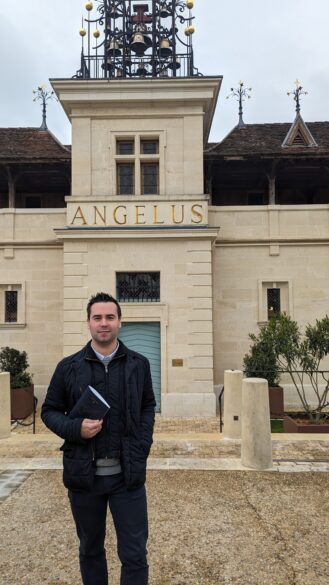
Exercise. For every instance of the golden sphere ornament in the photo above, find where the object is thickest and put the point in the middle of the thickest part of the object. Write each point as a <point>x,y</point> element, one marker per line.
<point>96,34</point>
<point>82,32</point>
<point>190,4</point>
<point>189,30</point>
<point>89,6</point>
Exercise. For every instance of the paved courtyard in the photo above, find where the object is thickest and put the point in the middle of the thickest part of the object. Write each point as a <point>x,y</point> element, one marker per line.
<point>211,521</point>
<point>206,528</point>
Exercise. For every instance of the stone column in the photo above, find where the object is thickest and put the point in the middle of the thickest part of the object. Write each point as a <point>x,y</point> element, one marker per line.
<point>11,187</point>
<point>232,404</point>
<point>272,193</point>
<point>5,405</point>
<point>256,445</point>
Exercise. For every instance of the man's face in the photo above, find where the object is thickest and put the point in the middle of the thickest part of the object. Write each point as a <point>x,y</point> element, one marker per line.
<point>104,323</point>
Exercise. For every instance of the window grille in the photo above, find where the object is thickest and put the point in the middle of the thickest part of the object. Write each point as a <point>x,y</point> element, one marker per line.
<point>11,306</point>
<point>138,287</point>
<point>273,302</point>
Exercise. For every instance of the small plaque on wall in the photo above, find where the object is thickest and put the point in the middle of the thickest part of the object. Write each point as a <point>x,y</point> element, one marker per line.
<point>177,363</point>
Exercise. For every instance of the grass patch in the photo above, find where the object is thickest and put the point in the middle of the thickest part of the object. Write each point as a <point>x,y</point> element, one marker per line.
<point>276,425</point>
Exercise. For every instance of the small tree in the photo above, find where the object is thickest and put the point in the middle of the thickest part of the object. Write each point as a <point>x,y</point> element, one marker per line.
<point>15,362</point>
<point>299,356</point>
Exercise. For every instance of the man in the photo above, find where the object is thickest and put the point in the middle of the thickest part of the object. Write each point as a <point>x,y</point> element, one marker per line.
<point>105,460</point>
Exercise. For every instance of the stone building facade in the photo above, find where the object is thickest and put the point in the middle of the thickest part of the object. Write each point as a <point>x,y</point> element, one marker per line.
<point>209,238</point>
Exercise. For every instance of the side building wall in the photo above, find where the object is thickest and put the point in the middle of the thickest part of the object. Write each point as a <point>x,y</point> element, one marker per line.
<point>31,260</point>
<point>282,246</point>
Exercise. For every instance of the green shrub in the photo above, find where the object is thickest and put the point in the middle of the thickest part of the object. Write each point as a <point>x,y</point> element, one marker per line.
<point>261,362</point>
<point>281,347</point>
<point>16,363</point>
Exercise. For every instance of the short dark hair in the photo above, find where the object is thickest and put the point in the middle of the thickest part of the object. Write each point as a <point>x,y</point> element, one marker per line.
<point>102,297</point>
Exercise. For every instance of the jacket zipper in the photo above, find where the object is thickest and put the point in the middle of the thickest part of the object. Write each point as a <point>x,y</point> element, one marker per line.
<point>107,392</point>
<point>93,447</point>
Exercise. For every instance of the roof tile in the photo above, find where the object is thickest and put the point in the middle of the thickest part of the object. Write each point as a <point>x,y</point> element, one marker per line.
<point>267,139</point>
<point>29,144</point>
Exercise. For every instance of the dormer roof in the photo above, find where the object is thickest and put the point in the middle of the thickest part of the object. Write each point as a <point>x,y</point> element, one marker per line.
<point>299,135</point>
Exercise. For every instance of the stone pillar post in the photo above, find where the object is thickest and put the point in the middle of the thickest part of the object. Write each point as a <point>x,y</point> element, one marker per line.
<point>4,405</point>
<point>256,446</point>
<point>232,404</point>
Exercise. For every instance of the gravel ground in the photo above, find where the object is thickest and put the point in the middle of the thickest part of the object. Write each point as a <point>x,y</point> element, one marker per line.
<point>162,425</point>
<point>206,528</point>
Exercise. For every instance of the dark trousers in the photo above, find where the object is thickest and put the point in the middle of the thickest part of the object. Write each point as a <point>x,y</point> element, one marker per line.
<point>129,513</point>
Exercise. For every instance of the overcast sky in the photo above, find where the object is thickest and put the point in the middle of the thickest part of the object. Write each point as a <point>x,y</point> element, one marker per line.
<point>268,44</point>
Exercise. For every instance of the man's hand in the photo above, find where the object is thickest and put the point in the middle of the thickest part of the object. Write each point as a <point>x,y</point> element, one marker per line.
<point>90,428</point>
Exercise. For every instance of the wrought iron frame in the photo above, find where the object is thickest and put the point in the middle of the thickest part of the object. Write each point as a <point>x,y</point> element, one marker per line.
<point>9,311</point>
<point>141,287</point>
<point>162,52</point>
<point>20,421</point>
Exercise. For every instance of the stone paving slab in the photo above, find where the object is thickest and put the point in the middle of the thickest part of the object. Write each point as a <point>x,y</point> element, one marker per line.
<point>10,480</point>
<point>205,445</point>
<point>172,463</point>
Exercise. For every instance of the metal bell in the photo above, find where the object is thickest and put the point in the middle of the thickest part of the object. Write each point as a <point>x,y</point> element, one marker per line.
<point>108,64</point>
<point>165,49</point>
<point>138,44</point>
<point>175,64</point>
<point>164,10</point>
<point>141,70</point>
<point>114,49</point>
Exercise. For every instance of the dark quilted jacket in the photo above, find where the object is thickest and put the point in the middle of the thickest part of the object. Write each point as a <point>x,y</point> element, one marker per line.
<point>71,376</point>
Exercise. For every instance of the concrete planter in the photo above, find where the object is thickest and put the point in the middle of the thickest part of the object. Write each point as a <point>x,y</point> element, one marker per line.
<point>276,401</point>
<point>292,426</point>
<point>22,402</point>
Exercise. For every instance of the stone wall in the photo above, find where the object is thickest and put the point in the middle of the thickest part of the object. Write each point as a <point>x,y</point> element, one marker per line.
<point>256,246</point>
<point>32,261</point>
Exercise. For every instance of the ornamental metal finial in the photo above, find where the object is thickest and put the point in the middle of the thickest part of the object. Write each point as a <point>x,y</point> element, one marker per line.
<point>43,95</point>
<point>297,93</point>
<point>240,93</point>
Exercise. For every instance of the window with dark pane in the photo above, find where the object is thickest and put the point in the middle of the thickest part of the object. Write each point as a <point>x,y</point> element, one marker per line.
<point>150,178</point>
<point>125,178</point>
<point>150,146</point>
<point>11,306</point>
<point>273,302</point>
<point>138,287</point>
<point>125,147</point>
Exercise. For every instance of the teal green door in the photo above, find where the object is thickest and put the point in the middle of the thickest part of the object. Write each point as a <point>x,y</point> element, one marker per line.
<point>145,338</point>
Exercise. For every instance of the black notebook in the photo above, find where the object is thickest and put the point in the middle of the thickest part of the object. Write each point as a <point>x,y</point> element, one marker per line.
<point>90,405</point>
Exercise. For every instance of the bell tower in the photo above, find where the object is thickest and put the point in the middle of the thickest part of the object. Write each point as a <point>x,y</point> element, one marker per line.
<point>150,39</point>
<point>137,217</point>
